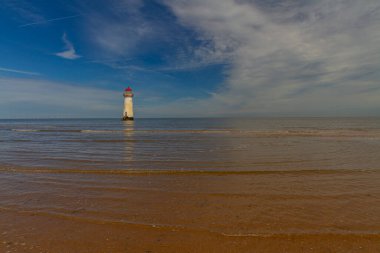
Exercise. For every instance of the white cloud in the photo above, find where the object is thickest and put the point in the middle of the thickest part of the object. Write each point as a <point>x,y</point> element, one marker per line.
<point>69,52</point>
<point>288,57</point>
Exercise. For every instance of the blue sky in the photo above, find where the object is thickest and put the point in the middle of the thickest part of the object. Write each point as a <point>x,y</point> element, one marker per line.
<point>190,58</point>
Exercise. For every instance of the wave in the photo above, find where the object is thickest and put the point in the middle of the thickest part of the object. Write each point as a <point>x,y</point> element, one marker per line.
<point>102,131</point>
<point>25,130</point>
<point>115,141</point>
<point>253,133</point>
<point>48,130</point>
<point>119,131</point>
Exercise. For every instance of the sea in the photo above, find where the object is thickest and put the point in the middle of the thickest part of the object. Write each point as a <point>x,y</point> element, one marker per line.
<point>190,185</point>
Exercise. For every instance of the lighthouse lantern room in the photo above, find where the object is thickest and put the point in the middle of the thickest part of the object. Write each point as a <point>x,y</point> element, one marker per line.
<point>128,104</point>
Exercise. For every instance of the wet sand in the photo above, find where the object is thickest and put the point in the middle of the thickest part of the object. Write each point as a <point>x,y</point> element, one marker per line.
<point>283,211</point>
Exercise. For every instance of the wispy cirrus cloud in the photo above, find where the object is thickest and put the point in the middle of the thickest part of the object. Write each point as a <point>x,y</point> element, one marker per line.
<point>18,71</point>
<point>24,9</point>
<point>69,52</point>
<point>115,29</point>
<point>45,21</point>
<point>133,29</point>
<point>287,57</point>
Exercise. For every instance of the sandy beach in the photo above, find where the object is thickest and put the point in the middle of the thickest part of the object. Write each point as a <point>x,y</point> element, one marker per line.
<point>276,212</point>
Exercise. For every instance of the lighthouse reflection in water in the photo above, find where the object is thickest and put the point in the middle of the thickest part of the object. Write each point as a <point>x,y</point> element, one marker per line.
<point>129,141</point>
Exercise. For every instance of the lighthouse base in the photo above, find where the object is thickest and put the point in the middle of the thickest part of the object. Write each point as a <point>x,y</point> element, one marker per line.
<point>127,118</point>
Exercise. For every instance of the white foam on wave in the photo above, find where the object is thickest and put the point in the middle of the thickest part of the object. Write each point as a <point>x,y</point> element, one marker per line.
<point>100,131</point>
<point>25,130</point>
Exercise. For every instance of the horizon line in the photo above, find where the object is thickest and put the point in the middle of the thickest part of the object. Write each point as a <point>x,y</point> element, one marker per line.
<point>195,117</point>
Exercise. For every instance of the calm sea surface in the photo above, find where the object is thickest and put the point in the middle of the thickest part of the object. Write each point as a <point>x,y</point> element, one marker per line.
<point>192,144</point>
<point>190,185</point>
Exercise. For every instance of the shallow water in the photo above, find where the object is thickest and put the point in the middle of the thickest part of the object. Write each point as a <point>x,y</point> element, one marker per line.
<point>190,185</point>
<point>192,144</point>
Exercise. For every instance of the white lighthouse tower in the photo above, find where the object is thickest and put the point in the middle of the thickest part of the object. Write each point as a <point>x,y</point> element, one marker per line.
<point>128,104</point>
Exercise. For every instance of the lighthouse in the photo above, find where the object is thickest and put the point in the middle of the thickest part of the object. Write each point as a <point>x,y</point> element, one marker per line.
<point>128,104</point>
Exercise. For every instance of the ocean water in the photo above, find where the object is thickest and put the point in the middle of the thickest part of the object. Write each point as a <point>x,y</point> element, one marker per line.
<point>192,144</point>
<point>190,185</point>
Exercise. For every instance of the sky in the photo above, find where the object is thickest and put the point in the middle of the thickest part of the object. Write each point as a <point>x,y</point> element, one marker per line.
<point>189,58</point>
